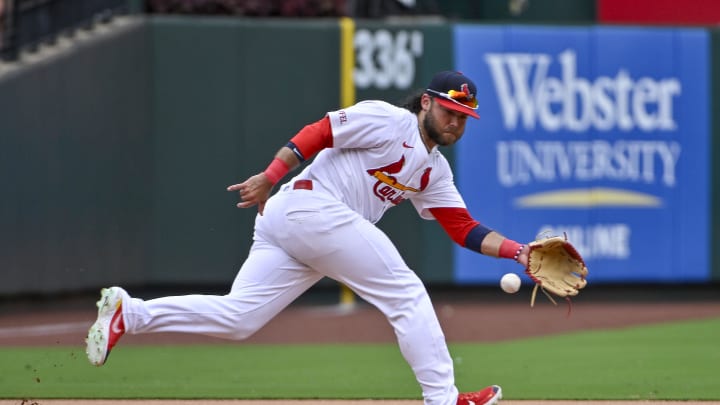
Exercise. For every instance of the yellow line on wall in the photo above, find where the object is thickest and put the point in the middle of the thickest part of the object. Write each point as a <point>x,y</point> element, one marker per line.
<point>347,62</point>
<point>347,98</point>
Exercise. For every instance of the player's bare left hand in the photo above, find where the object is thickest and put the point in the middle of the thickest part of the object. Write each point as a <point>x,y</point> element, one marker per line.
<point>253,191</point>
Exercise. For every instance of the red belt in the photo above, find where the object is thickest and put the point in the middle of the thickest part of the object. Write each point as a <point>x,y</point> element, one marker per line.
<point>303,185</point>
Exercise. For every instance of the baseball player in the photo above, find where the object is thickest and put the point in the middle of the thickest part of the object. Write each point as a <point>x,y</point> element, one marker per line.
<point>368,157</point>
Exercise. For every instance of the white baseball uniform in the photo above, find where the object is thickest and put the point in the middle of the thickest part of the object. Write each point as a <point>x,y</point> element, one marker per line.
<point>378,159</point>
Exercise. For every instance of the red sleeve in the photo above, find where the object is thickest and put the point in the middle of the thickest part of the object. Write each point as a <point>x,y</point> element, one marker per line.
<point>457,222</point>
<point>313,138</point>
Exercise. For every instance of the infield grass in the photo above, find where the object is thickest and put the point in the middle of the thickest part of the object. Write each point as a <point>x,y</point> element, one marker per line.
<point>670,361</point>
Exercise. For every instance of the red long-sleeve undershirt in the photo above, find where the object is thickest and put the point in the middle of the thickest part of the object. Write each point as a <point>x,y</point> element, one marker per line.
<point>456,222</point>
<point>312,139</point>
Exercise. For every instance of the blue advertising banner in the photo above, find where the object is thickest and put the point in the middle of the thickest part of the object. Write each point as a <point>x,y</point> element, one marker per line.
<point>599,133</point>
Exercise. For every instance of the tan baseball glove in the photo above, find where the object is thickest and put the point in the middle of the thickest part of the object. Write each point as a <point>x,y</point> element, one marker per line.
<point>556,268</point>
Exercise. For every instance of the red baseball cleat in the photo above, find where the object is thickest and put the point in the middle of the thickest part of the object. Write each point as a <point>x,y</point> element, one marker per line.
<point>108,328</point>
<point>487,396</point>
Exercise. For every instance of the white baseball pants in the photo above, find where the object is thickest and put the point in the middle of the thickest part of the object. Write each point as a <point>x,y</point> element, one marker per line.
<point>303,236</point>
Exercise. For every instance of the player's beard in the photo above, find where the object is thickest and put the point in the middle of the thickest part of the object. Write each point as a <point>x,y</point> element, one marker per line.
<point>433,133</point>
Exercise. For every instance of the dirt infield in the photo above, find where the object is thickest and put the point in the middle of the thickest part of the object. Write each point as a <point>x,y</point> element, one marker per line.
<point>464,317</point>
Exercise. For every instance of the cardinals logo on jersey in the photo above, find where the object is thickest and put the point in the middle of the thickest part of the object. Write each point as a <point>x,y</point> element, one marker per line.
<point>387,188</point>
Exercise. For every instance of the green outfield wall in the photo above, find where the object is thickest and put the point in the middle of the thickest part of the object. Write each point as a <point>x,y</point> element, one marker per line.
<point>76,165</point>
<point>116,152</point>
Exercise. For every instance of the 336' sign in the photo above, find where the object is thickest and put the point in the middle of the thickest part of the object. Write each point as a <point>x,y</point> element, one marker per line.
<point>386,59</point>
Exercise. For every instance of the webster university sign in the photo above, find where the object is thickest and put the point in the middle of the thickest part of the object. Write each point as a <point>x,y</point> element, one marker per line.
<point>599,133</point>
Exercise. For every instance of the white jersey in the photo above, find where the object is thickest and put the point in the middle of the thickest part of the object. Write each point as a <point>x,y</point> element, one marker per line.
<point>378,159</point>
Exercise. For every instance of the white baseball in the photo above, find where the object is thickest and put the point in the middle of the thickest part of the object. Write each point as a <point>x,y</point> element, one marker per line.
<point>510,283</point>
